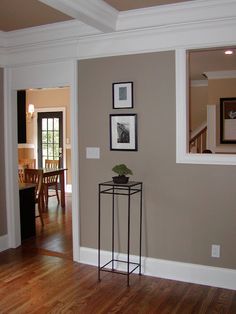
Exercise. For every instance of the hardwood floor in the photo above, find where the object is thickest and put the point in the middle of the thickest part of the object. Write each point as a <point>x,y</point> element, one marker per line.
<point>55,238</point>
<point>40,277</point>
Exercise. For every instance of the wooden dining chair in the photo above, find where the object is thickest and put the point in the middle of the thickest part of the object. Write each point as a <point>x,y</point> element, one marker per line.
<point>51,164</point>
<point>36,176</point>
<point>21,175</point>
<point>50,182</point>
<point>27,163</point>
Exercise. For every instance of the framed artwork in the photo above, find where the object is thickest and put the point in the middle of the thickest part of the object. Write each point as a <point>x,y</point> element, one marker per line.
<point>123,132</point>
<point>122,94</point>
<point>228,120</point>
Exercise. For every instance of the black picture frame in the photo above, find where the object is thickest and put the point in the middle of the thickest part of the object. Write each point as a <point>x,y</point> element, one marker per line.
<point>123,132</point>
<point>122,95</point>
<point>228,120</point>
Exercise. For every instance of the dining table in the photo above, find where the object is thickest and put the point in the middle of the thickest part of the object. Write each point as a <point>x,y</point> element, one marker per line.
<point>47,172</point>
<point>27,210</point>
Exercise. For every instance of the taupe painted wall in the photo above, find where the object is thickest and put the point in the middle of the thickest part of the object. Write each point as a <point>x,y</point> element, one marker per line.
<point>186,207</point>
<point>3,215</point>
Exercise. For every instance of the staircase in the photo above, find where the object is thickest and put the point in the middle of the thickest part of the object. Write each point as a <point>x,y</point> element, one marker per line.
<point>198,140</point>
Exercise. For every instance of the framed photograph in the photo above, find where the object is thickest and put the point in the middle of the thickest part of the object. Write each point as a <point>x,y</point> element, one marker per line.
<point>122,94</point>
<point>228,120</point>
<point>123,132</point>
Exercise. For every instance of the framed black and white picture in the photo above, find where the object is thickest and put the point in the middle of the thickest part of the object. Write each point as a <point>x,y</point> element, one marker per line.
<point>122,93</point>
<point>228,120</point>
<point>123,132</point>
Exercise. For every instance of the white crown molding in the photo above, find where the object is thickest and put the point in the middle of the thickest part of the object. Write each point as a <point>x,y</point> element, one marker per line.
<point>214,75</point>
<point>194,273</point>
<point>95,13</point>
<point>179,13</point>
<point>196,12</point>
<point>3,37</point>
<point>201,35</point>
<point>199,83</point>
<point>63,31</point>
<point>74,40</point>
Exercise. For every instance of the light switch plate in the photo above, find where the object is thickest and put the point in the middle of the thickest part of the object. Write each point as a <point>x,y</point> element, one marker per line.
<point>92,152</point>
<point>215,250</point>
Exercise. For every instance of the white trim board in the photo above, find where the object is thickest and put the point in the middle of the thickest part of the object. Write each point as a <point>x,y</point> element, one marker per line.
<point>193,273</point>
<point>182,124</point>
<point>4,245</point>
<point>26,145</point>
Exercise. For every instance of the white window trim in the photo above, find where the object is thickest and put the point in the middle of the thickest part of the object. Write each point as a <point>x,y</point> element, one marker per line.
<point>182,156</point>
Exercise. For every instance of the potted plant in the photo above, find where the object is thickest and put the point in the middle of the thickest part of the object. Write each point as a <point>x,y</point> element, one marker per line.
<point>122,170</point>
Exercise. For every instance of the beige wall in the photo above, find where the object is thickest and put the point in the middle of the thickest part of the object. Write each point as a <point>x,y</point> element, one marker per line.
<point>3,218</point>
<point>221,88</point>
<point>186,207</point>
<point>198,106</point>
<point>48,98</point>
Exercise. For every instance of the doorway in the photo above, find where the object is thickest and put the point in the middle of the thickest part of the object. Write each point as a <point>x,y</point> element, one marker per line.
<point>41,75</point>
<point>50,137</point>
<point>47,132</point>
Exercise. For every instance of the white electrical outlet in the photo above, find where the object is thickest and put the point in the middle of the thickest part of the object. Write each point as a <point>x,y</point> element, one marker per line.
<point>215,250</point>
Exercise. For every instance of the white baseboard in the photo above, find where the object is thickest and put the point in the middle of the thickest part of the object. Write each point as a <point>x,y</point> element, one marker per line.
<point>193,273</point>
<point>4,245</point>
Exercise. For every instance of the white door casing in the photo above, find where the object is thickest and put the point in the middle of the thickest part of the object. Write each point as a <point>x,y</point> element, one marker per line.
<point>38,76</point>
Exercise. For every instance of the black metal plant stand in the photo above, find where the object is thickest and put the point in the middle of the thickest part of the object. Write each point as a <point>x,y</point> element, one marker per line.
<point>113,189</point>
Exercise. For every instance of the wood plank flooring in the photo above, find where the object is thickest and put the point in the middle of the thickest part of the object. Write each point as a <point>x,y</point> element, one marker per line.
<point>55,238</point>
<point>40,277</point>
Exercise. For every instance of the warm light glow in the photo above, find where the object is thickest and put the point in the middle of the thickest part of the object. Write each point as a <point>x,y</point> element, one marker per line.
<point>229,52</point>
<point>31,110</point>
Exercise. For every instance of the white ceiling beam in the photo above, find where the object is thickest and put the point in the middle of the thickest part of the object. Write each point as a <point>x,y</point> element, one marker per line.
<point>95,13</point>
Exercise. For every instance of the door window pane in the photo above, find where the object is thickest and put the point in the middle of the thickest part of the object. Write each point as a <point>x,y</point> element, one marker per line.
<point>45,150</point>
<point>44,124</point>
<point>56,137</point>
<point>50,137</point>
<point>50,150</point>
<point>56,151</point>
<point>50,124</point>
<point>56,124</point>
<point>44,137</point>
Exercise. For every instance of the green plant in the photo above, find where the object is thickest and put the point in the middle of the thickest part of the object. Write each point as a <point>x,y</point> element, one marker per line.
<point>122,170</point>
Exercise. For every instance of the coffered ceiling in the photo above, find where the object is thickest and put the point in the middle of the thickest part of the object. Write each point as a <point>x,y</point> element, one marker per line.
<point>19,14</point>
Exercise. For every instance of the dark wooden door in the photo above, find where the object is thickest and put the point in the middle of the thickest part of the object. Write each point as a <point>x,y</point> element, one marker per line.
<point>50,137</point>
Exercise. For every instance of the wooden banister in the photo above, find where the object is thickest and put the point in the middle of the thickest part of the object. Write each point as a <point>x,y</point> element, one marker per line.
<point>199,141</point>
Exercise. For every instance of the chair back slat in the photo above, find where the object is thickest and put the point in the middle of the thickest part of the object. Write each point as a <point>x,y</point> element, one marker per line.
<point>34,176</point>
<point>51,164</point>
<point>21,176</point>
